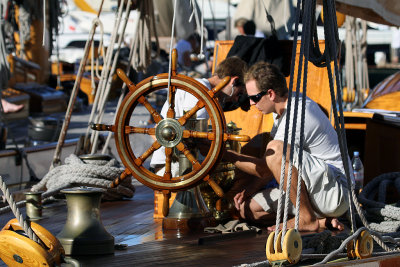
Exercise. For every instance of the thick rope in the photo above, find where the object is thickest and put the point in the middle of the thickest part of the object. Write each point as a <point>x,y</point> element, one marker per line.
<point>142,42</point>
<point>22,222</point>
<point>78,172</point>
<point>390,214</point>
<point>288,111</point>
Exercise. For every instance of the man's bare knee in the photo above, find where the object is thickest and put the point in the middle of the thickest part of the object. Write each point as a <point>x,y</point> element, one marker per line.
<point>274,153</point>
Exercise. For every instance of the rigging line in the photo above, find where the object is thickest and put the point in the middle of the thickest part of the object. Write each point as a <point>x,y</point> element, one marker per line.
<point>104,75</point>
<point>270,20</point>
<point>44,22</point>
<point>110,77</point>
<point>302,72</point>
<point>170,49</point>
<point>22,222</point>
<point>329,27</point>
<point>303,109</point>
<point>74,93</point>
<point>123,91</point>
<point>294,46</point>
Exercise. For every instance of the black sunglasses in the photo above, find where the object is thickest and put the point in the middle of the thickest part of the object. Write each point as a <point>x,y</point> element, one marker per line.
<point>257,97</point>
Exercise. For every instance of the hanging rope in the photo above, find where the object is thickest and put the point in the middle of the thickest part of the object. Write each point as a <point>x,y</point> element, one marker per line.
<point>57,153</point>
<point>4,66</point>
<point>22,222</point>
<point>108,73</point>
<point>142,43</point>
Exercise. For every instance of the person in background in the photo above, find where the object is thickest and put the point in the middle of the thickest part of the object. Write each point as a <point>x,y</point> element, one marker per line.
<point>185,47</point>
<point>248,28</point>
<point>10,107</point>
<point>230,97</point>
<point>282,12</point>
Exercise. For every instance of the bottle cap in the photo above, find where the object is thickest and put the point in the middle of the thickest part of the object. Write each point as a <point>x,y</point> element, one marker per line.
<point>356,153</point>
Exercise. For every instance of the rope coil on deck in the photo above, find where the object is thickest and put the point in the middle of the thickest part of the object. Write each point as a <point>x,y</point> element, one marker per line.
<point>96,173</point>
<point>388,215</point>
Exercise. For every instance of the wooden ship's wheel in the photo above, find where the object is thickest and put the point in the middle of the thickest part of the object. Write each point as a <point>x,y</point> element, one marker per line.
<point>170,132</point>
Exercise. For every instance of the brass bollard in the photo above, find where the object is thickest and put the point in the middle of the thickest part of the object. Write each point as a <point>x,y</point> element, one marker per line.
<point>33,205</point>
<point>84,233</point>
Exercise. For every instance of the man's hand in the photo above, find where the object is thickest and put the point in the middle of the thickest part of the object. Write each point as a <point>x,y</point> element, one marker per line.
<point>239,198</point>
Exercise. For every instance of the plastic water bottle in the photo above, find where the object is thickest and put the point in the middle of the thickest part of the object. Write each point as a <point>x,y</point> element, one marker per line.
<point>358,171</point>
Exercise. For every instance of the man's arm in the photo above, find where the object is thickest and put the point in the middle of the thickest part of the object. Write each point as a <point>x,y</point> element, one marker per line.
<point>254,166</point>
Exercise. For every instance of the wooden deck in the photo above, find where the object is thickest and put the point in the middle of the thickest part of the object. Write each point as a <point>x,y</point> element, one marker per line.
<point>131,223</point>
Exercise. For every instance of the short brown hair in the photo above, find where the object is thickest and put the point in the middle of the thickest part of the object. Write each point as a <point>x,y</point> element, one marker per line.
<point>232,66</point>
<point>267,76</point>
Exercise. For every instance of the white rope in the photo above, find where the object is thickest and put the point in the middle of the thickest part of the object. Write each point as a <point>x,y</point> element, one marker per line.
<point>121,97</point>
<point>107,85</point>
<point>104,75</point>
<point>142,42</point>
<point>170,47</point>
<point>22,222</point>
<point>44,23</point>
<point>95,173</point>
<point>200,26</point>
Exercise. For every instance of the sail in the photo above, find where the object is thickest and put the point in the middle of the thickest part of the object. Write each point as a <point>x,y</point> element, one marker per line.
<point>379,11</point>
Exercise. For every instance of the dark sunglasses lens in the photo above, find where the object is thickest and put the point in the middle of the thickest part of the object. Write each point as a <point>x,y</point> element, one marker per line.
<point>257,97</point>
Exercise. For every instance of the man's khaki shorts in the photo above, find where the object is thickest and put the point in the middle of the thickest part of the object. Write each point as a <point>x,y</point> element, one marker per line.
<point>325,186</point>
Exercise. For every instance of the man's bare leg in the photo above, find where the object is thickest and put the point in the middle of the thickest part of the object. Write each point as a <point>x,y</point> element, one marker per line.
<point>307,220</point>
<point>252,211</point>
<point>331,223</point>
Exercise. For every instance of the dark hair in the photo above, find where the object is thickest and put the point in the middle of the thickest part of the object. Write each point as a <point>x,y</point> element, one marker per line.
<point>267,76</point>
<point>249,28</point>
<point>232,66</point>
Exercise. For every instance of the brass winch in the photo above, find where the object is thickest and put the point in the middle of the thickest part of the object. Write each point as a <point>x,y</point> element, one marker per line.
<point>223,175</point>
<point>83,233</point>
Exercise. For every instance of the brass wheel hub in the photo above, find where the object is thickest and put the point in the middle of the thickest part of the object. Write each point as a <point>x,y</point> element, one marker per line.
<point>169,132</point>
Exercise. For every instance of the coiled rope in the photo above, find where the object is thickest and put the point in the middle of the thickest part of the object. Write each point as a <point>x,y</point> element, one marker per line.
<point>96,173</point>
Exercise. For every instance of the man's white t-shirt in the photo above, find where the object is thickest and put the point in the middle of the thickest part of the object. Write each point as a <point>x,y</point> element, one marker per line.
<point>320,138</point>
<point>184,101</point>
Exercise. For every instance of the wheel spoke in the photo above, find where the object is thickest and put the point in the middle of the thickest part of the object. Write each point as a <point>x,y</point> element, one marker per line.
<point>132,129</point>
<point>211,136</point>
<point>126,80</point>
<point>157,117</point>
<point>171,101</point>
<point>182,120</point>
<point>139,161</point>
<point>102,127</point>
<point>236,137</point>
<point>195,163</point>
<point>119,179</point>
<point>195,134</point>
<point>219,86</point>
<point>168,160</point>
